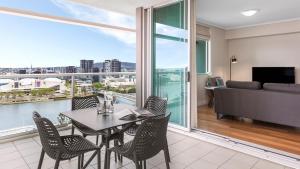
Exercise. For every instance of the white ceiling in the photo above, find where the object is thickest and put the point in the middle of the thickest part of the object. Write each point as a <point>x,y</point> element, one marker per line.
<point>222,13</point>
<point>122,6</point>
<point>227,13</point>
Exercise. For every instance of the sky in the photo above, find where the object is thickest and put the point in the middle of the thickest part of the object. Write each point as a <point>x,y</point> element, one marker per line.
<point>25,42</point>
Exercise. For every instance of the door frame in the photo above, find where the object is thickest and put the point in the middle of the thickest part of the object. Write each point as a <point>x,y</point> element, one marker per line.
<point>148,41</point>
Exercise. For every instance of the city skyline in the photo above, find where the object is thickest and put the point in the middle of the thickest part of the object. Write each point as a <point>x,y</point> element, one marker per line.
<point>77,66</point>
<point>86,66</point>
<point>57,66</point>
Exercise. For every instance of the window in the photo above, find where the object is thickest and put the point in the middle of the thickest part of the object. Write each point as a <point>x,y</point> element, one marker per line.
<point>31,46</point>
<point>202,54</point>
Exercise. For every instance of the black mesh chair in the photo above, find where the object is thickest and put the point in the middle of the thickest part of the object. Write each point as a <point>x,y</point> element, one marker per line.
<point>154,104</point>
<point>89,102</point>
<point>149,140</point>
<point>84,103</point>
<point>63,147</point>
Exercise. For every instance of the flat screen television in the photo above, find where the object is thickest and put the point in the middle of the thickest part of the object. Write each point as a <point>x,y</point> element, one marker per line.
<point>273,74</point>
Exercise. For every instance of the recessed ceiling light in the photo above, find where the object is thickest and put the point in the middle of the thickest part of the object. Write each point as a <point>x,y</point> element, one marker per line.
<point>250,12</point>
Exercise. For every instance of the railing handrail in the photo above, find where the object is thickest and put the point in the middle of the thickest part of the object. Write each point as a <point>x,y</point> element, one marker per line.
<point>64,74</point>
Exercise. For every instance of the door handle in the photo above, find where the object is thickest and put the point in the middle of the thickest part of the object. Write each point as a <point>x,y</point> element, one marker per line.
<point>188,76</point>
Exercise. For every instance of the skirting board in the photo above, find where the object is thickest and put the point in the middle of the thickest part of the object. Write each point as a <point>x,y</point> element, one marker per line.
<point>243,147</point>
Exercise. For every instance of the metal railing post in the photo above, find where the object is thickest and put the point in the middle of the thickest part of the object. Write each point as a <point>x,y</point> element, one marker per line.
<point>72,86</point>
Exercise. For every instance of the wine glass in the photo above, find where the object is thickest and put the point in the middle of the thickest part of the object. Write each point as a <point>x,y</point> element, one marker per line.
<point>99,108</point>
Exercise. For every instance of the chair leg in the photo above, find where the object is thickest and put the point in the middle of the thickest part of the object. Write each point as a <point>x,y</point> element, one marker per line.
<point>120,157</point>
<point>82,156</point>
<point>73,130</point>
<point>82,160</point>
<point>41,159</point>
<point>121,141</point>
<point>97,139</point>
<point>79,161</point>
<point>145,164</point>
<point>57,163</point>
<point>137,164</point>
<point>99,159</point>
<point>90,159</point>
<point>166,159</point>
<point>108,160</point>
<point>116,144</point>
<point>167,151</point>
<point>107,155</point>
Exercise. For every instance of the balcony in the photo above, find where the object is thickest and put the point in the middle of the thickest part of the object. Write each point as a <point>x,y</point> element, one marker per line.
<point>50,94</point>
<point>186,152</point>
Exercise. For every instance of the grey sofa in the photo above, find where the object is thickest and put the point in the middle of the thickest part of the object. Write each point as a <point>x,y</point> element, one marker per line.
<point>275,103</point>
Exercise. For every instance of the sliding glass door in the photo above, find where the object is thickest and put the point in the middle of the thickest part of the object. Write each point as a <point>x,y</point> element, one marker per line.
<point>170,60</point>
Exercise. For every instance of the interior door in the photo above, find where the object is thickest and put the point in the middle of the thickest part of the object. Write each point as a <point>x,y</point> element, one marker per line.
<point>170,59</point>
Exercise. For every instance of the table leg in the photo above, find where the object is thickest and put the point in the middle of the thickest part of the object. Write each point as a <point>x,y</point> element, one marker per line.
<point>106,148</point>
<point>211,97</point>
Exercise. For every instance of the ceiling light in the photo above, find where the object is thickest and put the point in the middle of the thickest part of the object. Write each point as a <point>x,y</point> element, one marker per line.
<point>250,12</point>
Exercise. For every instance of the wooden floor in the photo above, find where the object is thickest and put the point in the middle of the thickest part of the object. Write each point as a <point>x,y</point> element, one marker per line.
<point>270,135</point>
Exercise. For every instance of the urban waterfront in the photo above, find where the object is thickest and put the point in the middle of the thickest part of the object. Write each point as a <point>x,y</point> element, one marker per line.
<point>20,115</point>
<point>15,116</point>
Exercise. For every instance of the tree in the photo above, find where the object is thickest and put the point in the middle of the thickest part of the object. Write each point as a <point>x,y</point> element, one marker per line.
<point>34,92</point>
<point>68,84</point>
<point>98,86</point>
<point>42,92</point>
<point>1,95</point>
<point>14,94</point>
<point>20,93</point>
<point>83,90</point>
<point>131,90</point>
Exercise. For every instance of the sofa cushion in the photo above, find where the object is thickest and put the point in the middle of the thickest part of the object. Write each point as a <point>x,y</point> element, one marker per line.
<point>281,87</point>
<point>243,85</point>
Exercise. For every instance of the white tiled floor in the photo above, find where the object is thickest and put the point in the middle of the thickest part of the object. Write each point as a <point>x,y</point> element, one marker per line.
<point>186,153</point>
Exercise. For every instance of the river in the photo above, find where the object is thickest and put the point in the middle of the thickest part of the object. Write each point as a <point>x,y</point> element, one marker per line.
<point>20,115</point>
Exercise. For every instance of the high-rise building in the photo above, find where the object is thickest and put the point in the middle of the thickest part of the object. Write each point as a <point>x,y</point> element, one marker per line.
<point>86,66</point>
<point>107,66</point>
<point>70,69</point>
<point>96,78</point>
<point>112,66</point>
<point>115,65</point>
<point>22,71</point>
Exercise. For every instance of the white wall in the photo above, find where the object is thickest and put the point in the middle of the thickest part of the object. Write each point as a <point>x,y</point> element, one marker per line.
<point>219,62</point>
<point>279,28</point>
<point>274,50</point>
<point>219,51</point>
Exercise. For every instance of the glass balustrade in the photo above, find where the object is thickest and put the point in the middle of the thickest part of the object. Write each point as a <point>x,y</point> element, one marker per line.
<point>20,96</point>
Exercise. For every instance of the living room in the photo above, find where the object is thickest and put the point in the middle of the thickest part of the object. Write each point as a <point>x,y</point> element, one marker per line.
<point>237,44</point>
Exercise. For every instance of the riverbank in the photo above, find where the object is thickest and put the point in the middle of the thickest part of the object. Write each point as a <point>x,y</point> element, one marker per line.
<point>18,117</point>
<point>31,100</point>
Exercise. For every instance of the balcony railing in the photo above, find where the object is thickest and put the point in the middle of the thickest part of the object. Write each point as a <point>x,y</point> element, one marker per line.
<point>50,94</point>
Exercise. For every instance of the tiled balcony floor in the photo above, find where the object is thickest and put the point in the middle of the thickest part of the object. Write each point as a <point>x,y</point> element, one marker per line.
<point>186,153</point>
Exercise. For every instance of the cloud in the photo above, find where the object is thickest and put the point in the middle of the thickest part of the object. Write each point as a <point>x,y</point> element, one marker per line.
<point>87,13</point>
<point>171,32</point>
